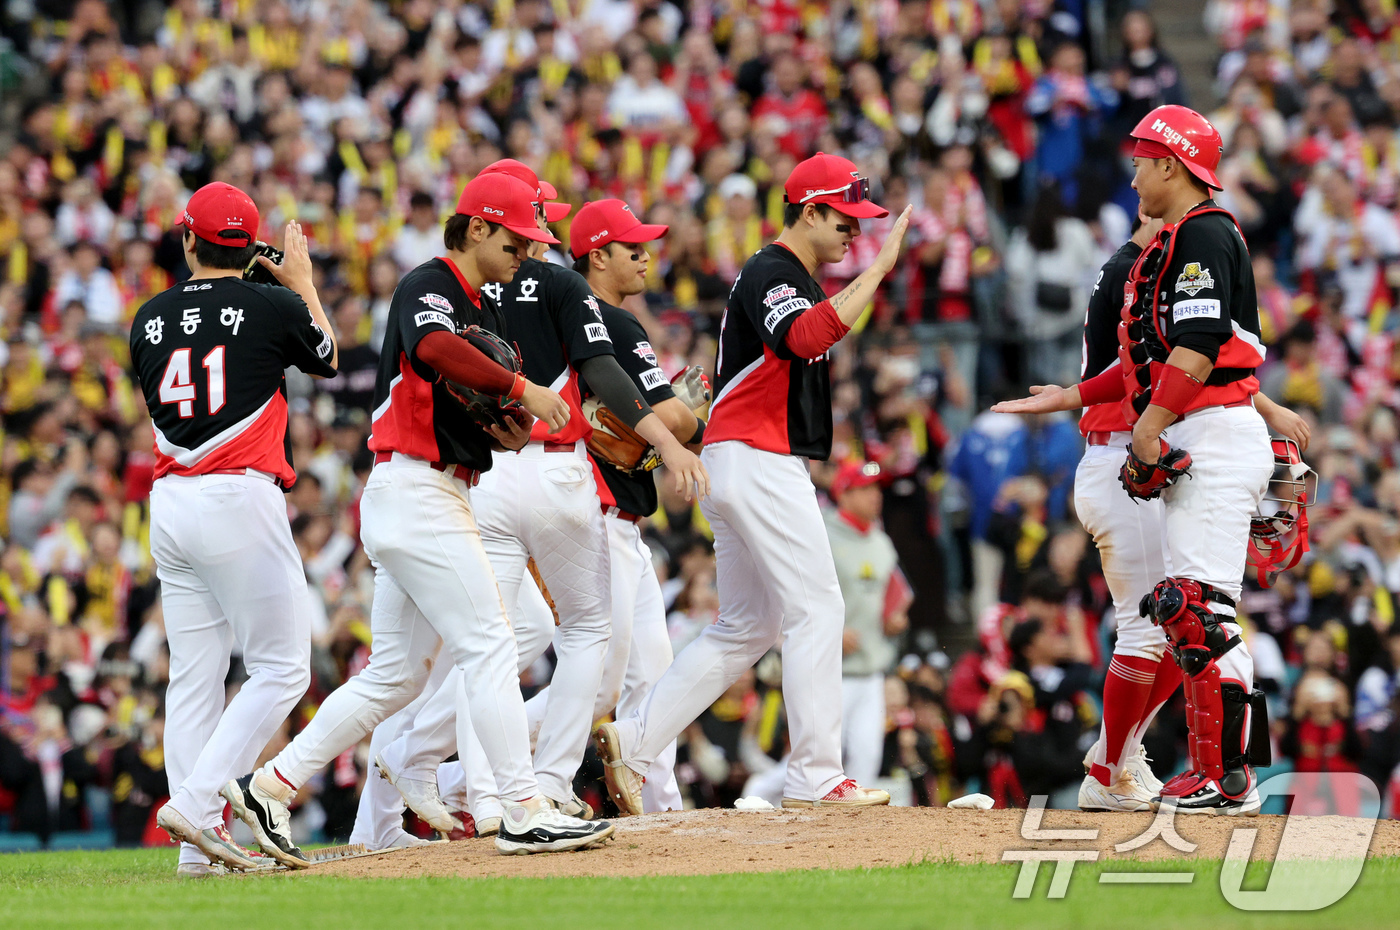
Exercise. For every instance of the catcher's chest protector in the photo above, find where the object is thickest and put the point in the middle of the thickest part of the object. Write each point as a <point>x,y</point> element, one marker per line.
<point>1142,330</point>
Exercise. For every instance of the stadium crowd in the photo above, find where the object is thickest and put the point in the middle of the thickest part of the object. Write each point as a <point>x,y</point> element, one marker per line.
<point>1001,121</point>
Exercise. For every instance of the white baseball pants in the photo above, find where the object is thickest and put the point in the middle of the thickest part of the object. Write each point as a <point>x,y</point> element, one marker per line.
<point>1208,514</point>
<point>544,505</point>
<point>433,586</point>
<point>229,573</point>
<point>777,584</point>
<point>1131,539</point>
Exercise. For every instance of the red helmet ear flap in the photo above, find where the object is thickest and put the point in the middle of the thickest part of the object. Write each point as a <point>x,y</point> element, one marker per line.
<point>1278,534</point>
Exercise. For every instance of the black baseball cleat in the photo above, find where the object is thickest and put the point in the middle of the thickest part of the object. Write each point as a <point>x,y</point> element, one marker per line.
<point>534,826</point>
<point>260,801</point>
<point>1209,796</point>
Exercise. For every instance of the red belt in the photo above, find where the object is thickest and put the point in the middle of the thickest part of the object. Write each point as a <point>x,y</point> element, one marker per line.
<point>461,472</point>
<point>620,514</point>
<point>558,446</point>
<point>243,471</point>
<point>1098,438</point>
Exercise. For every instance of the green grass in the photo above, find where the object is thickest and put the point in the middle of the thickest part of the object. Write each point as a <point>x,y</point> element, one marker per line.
<point>136,888</point>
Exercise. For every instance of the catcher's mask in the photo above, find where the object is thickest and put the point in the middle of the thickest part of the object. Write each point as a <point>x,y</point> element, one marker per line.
<point>1277,542</point>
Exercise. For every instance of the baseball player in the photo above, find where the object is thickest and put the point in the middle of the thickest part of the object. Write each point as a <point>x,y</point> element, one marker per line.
<point>1128,533</point>
<point>777,579</point>
<point>210,355</point>
<point>543,503</point>
<point>606,242</point>
<point>1188,346</point>
<point>433,581</point>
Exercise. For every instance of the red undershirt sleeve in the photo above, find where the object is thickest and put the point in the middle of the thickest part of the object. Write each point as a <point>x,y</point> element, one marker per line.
<point>1104,388</point>
<point>460,361</point>
<point>815,331</point>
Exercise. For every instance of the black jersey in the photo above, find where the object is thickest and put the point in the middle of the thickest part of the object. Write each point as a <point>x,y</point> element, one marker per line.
<point>413,410</point>
<point>555,322</point>
<point>765,395</point>
<point>631,493</point>
<point>1101,335</point>
<point>210,356</point>
<point>1106,310</point>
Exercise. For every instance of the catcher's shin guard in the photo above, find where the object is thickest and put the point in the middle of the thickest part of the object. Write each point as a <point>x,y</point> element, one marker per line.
<point>1181,607</point>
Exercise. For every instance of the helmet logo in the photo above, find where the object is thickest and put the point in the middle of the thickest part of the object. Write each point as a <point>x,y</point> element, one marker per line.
<point>1172,137</point>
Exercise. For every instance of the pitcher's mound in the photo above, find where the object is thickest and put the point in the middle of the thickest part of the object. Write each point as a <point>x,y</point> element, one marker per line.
<point>709,841</point>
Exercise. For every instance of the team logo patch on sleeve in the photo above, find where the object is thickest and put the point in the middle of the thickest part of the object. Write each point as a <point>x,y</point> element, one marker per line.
<point>1194,279</point>
<point>437,302</point>
<point>653,378</point>
<point>1196,310</point>
<point>782,301</point>
<point>645,352</point>
<point>431,317</point>
<point>596,332</point>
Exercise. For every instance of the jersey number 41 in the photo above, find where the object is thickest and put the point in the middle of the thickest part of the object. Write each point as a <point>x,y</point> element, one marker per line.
<point>177,384</point>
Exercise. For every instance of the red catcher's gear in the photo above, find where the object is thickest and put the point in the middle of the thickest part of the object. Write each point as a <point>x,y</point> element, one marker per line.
<point>1142,338</point>
<point>1189,135</point>
<point>1277,541</point>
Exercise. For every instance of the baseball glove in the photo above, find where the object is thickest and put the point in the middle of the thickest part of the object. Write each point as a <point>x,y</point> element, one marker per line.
<point>489,409</point>
<point>1144,481</point>
<point>691,387</point>
<point>617,443</point>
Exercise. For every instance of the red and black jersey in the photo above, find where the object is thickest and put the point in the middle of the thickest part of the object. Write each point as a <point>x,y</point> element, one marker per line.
<point>210,356</point>
<point>414,413</point>
<point>1101,336</point>
<point>555,322</point>
<point>1195,279</point>
<point>631,493</point>
<point>765,395</point>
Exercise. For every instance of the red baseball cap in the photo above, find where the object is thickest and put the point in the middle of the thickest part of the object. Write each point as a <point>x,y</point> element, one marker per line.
<point>553,212</point>
<point>222,214</point>
<point>604,221</point>
<point>503,199</point>
<point>854,474</point>
<point>833,180</point>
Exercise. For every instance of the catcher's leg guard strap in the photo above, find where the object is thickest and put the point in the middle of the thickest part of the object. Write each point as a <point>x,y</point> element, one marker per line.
<point>1246,735</point>
<point>1181,607</point>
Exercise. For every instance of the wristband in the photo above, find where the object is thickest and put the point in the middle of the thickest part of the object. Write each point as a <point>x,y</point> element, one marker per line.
<point>1175,389</point>
<point>517,389</point>
<point>699,433</point>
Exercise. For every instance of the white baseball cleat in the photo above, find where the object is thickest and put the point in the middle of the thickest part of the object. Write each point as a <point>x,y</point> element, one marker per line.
<point>214,842</point>
<point>1141,767</point>
<point>574,807</point>
<point>260,800</point>
<point>534,826</point>
<point>400,840</point>
<point>421,796</point>
<point>490,826</point>
<point>624,785</point>
<point>195,870</point>
<point>846,794</point>
<point>1125,794</point>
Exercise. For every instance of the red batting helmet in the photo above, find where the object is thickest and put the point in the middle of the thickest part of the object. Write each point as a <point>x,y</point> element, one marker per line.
<point>1277,542</point>
<point>1186,135</point>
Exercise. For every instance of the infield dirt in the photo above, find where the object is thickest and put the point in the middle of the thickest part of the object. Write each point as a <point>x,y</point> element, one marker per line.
<point>712,841</point>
